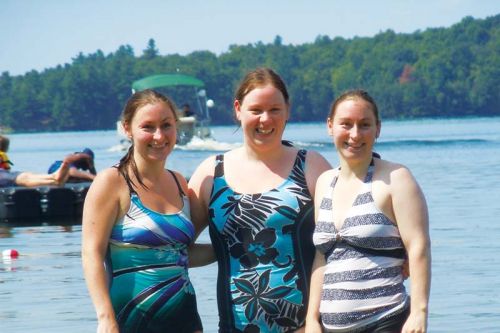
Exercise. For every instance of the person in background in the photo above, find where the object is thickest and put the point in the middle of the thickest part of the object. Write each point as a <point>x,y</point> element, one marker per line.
<point>30,179</point>
<point>5,162</point>
<point>186,111</point>
<point>136,230</point>
<point>258,203</point>
<point>82,169</point>
<point>371,216</point>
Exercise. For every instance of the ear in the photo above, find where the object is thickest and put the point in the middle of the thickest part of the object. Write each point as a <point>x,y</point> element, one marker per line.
<point>126,130</point>
<point>288,112</point>
<point>379,127</point>
<point>329,126</point>
<point>237,109</point>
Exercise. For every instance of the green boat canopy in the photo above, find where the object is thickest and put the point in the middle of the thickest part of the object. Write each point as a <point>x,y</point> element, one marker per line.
<point>166,80</point>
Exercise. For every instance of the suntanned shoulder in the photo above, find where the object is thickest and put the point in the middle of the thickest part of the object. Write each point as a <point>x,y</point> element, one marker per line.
<point>327,176</point>
<point>205,167</point>
<point>204,170</point>
<point>110,183</point>
<point>394,170</point>
<point>318,160</point>
<point>108,176</point>
<point>182,180</point>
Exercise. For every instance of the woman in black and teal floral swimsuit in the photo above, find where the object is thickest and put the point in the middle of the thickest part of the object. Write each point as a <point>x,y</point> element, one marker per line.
<point>257,201</point>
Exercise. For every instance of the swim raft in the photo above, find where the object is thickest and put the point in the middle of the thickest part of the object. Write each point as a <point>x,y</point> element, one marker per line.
<point>42,203</point>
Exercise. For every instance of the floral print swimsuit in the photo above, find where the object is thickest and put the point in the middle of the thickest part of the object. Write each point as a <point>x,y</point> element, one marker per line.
<point>264,249</point>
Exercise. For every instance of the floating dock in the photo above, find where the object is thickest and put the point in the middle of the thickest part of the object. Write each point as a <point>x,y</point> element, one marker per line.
<point>42,203</point>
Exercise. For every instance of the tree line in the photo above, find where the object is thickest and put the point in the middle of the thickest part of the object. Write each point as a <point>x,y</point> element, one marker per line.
<point>438,72</point>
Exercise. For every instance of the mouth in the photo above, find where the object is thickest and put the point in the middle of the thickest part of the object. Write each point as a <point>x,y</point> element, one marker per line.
<point>354,146</point>
<point>158,146</point>
<point>263,131</point>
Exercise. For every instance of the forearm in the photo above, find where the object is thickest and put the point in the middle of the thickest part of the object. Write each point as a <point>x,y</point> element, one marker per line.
<point>201,255</point>
<point>316,288</point>
<point>420,277</point>
<point>97,284</point>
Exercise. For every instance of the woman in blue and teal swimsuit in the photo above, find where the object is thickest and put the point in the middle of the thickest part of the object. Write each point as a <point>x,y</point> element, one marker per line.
<point>257,201</point>
<point>137,229</point>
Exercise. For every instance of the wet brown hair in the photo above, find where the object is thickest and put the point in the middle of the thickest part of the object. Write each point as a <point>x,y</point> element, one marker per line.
<point>260,77</point>
<point>134,103</point>
<point>355,94</point>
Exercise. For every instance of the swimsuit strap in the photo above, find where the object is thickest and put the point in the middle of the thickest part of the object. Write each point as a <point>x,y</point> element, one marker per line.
<point>369,173</point>
<point>127,180</point>
<point>181,191</point>
<point>219,166</point>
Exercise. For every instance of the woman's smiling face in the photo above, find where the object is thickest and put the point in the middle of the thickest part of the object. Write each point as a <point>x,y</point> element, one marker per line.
<point>354,128</point>
<point>263,114</point>
<point>153,131</point>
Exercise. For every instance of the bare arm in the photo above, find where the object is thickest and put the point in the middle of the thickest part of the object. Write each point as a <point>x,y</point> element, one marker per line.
<point>100,212</point>
<point>316,164</point>
<point>410,211</point>
<point>199,187</point>
<point>313,324</point>
<point>201,255</point>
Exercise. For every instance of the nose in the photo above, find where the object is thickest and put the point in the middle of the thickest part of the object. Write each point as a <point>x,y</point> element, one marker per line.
<point>355,132</point>
<point>264,116</point>
<point>158,134</point>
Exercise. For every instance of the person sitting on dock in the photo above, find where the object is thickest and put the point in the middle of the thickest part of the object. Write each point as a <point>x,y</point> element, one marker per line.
<point>5,162</point>
<point>82,169</point>
<point>30,179</point>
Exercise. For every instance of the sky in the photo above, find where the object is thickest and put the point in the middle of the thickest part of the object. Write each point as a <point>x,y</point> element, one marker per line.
<point>41,34</point>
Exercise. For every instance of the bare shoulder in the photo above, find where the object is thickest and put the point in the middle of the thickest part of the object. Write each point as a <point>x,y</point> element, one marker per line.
<point>108,183</point>
<point>181,179</point>
<point>202,178</point>
<point>107,196</point>
<point>316,164</point>
<point>395,174</point>
<point>205,168</point>
<point>108,177</point>
<point>317,160</point>
<point>328,175</point>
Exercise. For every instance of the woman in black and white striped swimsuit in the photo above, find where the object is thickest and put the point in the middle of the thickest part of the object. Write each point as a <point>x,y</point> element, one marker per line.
<point>371,216</point>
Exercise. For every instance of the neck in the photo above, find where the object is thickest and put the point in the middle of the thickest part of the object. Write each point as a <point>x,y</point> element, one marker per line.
<point>269,155</point>
<point>354,169</point>
<point>150,171</point>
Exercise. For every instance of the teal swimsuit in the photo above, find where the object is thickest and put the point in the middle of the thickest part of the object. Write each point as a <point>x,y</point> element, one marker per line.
<point>264,249</point>
<point>147,258</point>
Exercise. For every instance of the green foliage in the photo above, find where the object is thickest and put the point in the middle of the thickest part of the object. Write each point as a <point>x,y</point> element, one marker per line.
<point>439,72</point>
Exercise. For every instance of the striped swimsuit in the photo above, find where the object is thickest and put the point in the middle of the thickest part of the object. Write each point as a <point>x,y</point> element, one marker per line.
<point>147,258</point>
<point>363,280</point>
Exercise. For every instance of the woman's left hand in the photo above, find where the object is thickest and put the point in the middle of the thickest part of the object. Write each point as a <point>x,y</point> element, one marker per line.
<point>416,323</point>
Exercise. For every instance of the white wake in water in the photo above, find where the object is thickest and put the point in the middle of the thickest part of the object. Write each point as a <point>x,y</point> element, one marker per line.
<point>195,144</point>
<point>207,144</point>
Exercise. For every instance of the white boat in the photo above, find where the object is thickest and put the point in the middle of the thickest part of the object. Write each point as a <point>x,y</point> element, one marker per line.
<point>189,90</point>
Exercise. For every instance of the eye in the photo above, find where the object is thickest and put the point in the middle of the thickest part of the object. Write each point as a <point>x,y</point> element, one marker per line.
<point>255,111</point>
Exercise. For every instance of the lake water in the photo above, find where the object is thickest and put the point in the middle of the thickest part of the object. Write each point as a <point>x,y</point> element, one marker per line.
<point>456,162</point>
